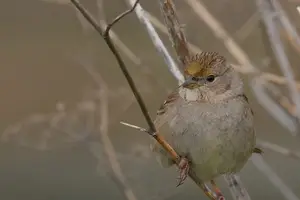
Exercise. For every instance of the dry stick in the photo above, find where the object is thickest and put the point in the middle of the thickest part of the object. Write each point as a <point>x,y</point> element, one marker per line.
<point>267,13</point>
<point>247,27</point>
<point>290,29</point>
<point>258,87</point>
<point>262,166</point>
<point>279,149</point>
<point>141,14</point>
<point>175,30</point>
<point>290,40</point>
<point>152,131</point>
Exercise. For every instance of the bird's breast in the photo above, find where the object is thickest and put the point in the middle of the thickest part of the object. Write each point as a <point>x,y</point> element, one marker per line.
<point>218,138</point>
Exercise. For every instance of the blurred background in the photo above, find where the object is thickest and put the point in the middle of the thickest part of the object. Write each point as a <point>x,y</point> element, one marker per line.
<point>63,97</point>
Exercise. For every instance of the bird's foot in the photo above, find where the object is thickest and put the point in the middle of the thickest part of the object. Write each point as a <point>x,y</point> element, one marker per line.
<point>217,191</point>
<point>184,167</point>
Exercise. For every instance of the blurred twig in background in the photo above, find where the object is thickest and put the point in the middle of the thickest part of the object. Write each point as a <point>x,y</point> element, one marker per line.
<point>141,14</point>
<point>264,168</point>
<point>279,149</point>
<point>269,16</point>
<point>258,87</point>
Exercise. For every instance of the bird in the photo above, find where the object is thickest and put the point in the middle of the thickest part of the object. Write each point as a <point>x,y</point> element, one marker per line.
<point>208,120</point>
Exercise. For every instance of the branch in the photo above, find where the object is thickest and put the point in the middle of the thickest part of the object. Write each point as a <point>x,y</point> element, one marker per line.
<point>157,42</point>
<point>118,18</point>
<point>176,34</point>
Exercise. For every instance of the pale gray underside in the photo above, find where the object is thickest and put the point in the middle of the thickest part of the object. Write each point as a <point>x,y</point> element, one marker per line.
<point>219,138</point>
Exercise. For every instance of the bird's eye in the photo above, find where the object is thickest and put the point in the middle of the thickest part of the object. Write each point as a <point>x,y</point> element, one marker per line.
<point>195,78</point>
<point>210,78</point>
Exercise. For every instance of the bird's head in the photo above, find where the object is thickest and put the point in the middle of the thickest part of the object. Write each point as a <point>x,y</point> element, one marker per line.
<point>209,74</point>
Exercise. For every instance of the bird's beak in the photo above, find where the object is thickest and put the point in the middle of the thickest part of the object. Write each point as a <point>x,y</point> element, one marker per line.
<point>191,84</point>
<point>188,82</point>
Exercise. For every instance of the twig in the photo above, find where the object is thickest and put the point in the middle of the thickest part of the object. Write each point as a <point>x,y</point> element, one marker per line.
<point>273,108</point>
<point>285,22</point>
<point>139,99</point>
<point>247,27</point>
<point>157,42</point>
<point>136,127</point>
<point>290,40</point>
<point>282,100</point>
<point>118,18</point>
<point>267,13</point>
<point>263,167</point>
<point>277,79</point>
<point>279,149</point>
<point>175,30</point>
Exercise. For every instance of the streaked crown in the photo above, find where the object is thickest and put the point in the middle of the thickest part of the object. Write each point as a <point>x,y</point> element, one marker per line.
<point>203,64</point>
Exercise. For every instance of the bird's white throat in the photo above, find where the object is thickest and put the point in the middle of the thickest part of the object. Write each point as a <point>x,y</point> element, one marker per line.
<point>190,95</point>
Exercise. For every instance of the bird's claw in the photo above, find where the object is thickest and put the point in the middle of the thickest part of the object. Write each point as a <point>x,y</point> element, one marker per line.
<point>184,168</point>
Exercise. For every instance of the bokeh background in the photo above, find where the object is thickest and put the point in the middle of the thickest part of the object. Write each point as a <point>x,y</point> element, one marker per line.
<point>50,107</point>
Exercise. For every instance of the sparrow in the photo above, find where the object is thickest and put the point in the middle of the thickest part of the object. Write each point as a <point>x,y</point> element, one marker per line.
<point>207,120</point>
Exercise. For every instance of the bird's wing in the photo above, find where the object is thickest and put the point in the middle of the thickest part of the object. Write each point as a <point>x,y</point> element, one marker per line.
<point>163,114</point>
